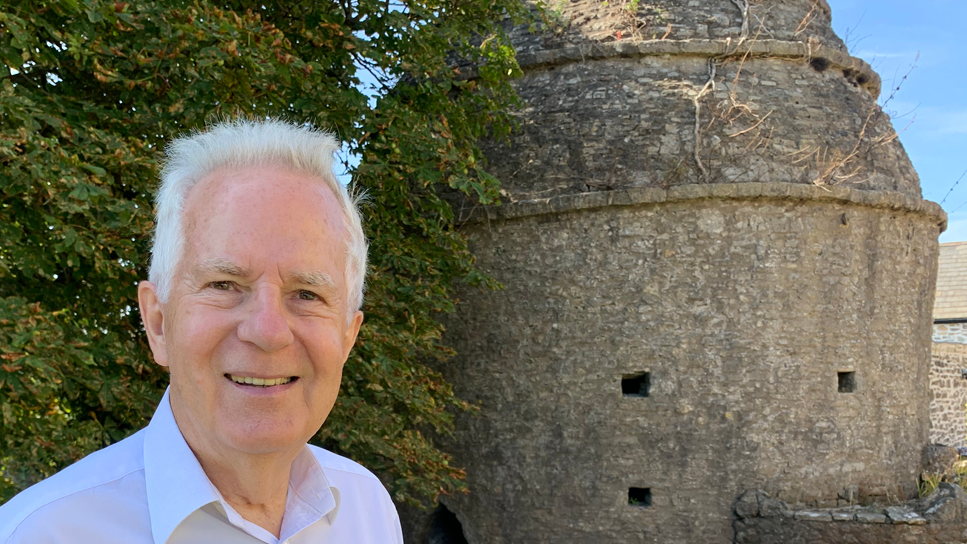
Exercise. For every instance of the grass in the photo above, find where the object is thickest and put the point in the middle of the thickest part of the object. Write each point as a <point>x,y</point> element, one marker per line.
<point>927,483</point>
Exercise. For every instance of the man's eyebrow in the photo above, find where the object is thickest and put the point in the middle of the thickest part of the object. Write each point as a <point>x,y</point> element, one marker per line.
<point>224,267</point>
<point>315,279</point>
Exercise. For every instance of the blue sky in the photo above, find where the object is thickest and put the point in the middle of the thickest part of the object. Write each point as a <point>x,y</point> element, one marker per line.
<point>889,34</point>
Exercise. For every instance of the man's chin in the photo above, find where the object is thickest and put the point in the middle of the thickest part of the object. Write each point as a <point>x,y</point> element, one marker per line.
<point>262,437</point>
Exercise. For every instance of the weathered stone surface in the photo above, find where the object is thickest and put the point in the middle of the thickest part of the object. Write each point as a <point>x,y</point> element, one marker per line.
<point>776,98</point>
<point>864,516</point>
<point>718,234</point>
<point>883,200</point>
<point>724,302</point>
<point>650,139</point>
<point>813,515</point>
<point>748,505</point>
<point>950,333</point>
<point>947,503</point>
<point>845,514</point>
<point>856,71</point>
<point>948,392</point>
<point>939,459</point>
<point>860,524</point>
<point>587,23</point>
<point>769,506</point>
<point>900,514</point>
<point>784,531</point>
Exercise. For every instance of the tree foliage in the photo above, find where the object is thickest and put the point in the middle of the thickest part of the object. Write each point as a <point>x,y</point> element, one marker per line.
<point>90,92</point>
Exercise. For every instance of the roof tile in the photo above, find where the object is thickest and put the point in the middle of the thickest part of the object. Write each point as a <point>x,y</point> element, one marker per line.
<point>951,301</point>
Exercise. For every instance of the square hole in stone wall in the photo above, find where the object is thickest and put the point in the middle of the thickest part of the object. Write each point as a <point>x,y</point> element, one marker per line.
<point>636,385</point>
<point>847,381</point>
<point>639,496</point>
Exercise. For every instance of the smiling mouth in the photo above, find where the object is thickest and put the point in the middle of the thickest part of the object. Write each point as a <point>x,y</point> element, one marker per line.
<point>259,382</point>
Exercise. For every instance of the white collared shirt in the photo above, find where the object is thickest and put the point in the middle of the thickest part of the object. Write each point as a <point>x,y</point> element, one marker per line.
<point>150,489</point>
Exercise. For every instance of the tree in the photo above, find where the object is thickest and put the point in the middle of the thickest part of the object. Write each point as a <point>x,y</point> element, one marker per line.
<point>90,92</point>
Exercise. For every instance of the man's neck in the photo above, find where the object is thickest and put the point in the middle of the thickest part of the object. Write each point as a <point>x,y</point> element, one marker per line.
<point>256,485</point>
<point>256,489</point>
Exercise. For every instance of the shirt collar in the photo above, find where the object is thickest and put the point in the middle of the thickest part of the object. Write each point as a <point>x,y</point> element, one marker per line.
<point>310,495</point>
<point>176,485</point>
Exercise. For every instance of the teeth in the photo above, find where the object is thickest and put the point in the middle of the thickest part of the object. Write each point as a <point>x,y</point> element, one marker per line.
<point>259,382</point>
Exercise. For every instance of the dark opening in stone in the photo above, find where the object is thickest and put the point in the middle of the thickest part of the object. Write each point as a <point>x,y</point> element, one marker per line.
<point>847,381</point>
<point>639,496</point>
<point>636,385</point>
<point>445,528</point>
<point>819,64</point>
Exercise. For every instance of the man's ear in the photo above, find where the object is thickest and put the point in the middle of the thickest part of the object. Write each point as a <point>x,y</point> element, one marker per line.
<point>153,320</point>
<point>351,332</point>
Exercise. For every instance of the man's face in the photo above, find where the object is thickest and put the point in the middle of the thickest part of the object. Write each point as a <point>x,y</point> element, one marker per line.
<point>259,296</point>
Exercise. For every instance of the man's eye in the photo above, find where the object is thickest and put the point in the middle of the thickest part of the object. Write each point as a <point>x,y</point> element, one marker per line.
<point>221,285</point>
<point>308,295</point>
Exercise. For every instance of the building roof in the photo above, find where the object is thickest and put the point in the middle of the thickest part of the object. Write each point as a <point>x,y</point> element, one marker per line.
<point>951,301</point>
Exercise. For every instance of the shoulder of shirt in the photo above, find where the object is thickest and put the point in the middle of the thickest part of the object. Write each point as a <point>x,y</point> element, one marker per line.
<point>101,467</point>
<point>330,461</point>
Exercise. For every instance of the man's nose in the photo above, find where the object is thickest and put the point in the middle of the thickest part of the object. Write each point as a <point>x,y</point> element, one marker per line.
<point>266,324</point>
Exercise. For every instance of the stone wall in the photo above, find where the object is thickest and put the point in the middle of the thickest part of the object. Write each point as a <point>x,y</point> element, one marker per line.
<point>604,113</point>
<point>578,22</point>
<point>939,518</point>
<point>718,275</point>
<point>948,393</point>
<point>621,123</point>
<point>953,333</point>
<point>744,312</point>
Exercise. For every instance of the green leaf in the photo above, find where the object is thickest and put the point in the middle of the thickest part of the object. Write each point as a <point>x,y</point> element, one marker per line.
<point>80,163</point>
<point>96,170</point>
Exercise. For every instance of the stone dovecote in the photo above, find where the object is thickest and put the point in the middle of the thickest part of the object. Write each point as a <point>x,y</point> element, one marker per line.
<point>718,276</point>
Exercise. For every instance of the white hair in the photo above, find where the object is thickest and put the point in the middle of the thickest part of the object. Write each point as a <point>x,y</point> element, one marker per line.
<point>243,143</point>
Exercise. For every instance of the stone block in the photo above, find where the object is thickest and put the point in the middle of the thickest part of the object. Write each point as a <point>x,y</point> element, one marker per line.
<point>848,514</point>
<point>813,515</point>
<point>771,507</point>
<point>904,515</point>
<point>870,517</point>
<point>747,506</point>
<point>947,503</point>
<point>939,458</point>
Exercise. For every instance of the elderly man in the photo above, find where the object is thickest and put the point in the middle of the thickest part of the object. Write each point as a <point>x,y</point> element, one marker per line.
<point>253,305</point>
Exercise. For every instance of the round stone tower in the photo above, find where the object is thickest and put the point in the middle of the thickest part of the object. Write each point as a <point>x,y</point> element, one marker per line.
<point>718,275</point>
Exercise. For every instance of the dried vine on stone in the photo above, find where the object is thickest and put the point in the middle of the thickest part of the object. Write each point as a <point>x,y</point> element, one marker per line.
<point>709,85</point>
<point>743,6</point>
